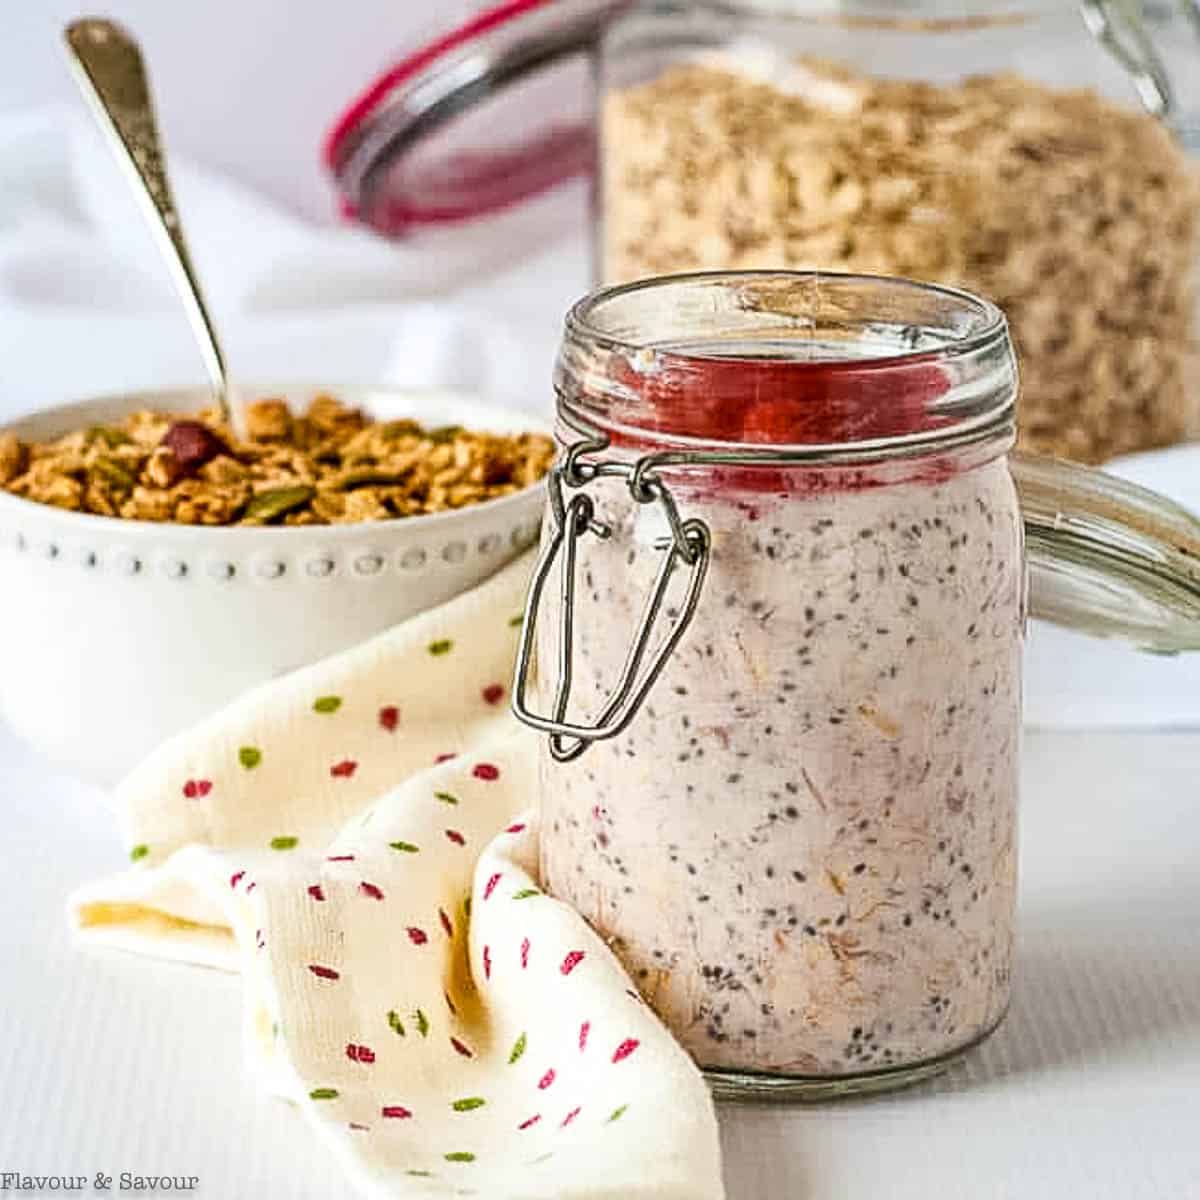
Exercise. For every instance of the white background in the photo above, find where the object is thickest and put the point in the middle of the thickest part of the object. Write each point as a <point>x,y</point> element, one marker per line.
<point>247,85</point>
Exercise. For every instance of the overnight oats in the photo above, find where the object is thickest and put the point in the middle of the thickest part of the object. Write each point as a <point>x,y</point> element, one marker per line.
<point>803,850</point>
<point>802,842</point>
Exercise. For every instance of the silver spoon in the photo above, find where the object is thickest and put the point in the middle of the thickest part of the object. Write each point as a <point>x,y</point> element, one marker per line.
<point>108,66</point>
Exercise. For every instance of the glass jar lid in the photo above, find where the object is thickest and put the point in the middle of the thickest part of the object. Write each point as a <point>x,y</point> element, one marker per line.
<point>490,114</point>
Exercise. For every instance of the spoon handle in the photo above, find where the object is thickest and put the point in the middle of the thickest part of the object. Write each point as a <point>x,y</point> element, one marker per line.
<point>107,64</point>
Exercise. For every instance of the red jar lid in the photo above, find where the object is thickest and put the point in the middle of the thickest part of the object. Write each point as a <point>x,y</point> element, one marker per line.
<point>491,113</point>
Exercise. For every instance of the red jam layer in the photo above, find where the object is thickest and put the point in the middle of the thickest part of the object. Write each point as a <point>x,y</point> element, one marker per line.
<point>785,402</point>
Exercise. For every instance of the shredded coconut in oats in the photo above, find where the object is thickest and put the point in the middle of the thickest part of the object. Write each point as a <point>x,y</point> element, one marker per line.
<point>330,465</point>
<point>1079,217</point>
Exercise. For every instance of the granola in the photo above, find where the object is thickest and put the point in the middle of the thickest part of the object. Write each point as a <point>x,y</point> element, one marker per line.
<point>1079,217</point>
<point>329,465</point>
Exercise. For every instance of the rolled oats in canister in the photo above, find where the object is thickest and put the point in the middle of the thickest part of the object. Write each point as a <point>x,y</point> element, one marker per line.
<point>1079,217</point>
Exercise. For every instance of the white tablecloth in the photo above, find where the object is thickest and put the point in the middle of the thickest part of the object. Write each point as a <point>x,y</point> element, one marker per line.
<point>1089,1090</point>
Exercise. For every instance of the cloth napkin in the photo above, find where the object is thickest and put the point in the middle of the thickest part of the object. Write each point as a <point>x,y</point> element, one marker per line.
<point>358,839</point>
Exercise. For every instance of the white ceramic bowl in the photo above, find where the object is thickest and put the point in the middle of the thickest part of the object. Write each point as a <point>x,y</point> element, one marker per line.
<point>116,634</point>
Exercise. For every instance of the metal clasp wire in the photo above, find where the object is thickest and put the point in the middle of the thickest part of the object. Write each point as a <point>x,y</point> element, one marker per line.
<point>1117,25</point>
<point>690,542</point>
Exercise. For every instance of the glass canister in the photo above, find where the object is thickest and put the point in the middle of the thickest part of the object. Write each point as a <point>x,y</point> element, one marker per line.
<point>1027,150</point>
<point>774,639</point>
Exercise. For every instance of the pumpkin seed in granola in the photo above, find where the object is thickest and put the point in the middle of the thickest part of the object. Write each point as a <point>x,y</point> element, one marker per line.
<point>270,505</point>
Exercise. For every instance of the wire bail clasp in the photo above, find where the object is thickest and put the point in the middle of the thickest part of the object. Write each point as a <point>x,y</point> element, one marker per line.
<point>1119,26</point>
<point>572,520</point>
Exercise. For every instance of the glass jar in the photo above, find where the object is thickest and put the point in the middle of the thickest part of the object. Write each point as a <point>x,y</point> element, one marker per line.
<point>1024,149</point>
<point>780,666</point>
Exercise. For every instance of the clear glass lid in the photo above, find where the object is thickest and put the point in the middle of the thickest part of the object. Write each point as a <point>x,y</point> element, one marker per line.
<point>491,113</point>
